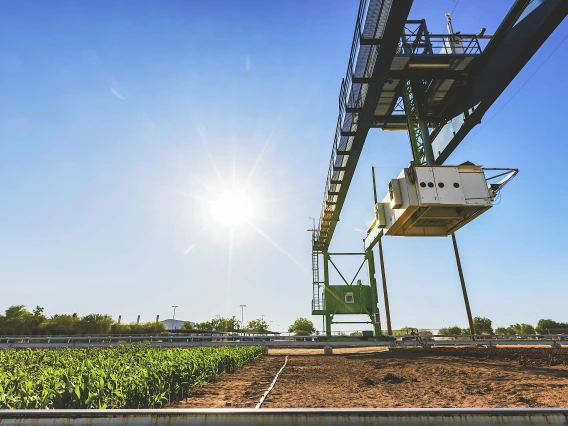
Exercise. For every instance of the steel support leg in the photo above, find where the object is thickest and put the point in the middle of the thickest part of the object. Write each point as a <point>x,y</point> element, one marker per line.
<point>385,293</point>
<point>464,290</point>
<point>375,317</point>
<point>326,292</point>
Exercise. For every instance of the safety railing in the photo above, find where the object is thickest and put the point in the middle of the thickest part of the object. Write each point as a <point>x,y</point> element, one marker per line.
<point>436,44</point>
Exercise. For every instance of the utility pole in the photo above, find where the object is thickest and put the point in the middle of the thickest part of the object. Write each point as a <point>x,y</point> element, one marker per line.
<point>174,317</point>
<point>243,316</point>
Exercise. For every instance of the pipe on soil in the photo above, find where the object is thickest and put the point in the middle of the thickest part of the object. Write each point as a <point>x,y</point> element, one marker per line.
<point>272,384</point>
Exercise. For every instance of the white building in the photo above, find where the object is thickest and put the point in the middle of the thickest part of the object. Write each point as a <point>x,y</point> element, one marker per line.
<point>173,324</point>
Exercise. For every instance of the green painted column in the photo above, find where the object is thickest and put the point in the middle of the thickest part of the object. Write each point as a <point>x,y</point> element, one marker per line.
<point>326,292</point>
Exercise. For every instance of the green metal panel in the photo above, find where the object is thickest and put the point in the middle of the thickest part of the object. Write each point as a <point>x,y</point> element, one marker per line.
<point>362,299</point>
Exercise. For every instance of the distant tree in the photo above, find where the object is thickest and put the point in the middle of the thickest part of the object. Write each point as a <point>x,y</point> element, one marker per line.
<point>302,327</point>
<point>543,326</point>
<point>515,329</point>
<point>95,324</point>
<point>546,326</point>
<point>257,326</point>
<point>123,329</point>
<point>450,331</point>
<point>147,328</point>
<point>18,320</point>
<point>225,324</point>
<point>501,331</point>
<point>37,319</point>
<point>216,324</point>
<point>61,325</point>
<point>188,325</point>
<point>482,325</point>
<point>205,325</point>
<point>521,328</point>
<point>356,334</point>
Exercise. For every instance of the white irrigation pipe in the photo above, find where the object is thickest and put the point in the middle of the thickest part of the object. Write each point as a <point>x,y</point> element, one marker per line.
<point>272,384</point>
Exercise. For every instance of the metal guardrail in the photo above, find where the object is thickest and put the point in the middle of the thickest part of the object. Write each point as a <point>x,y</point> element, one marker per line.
<point>295,416</point>
<point>407,341</point>
<point>267,343</point>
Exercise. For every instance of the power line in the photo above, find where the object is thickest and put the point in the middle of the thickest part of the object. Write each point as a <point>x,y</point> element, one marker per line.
<point>519,89</point>
<point>455,5</point>
<point>452,13</point>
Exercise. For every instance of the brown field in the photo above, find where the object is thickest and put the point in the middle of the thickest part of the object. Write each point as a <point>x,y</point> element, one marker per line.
<point>441,377</point>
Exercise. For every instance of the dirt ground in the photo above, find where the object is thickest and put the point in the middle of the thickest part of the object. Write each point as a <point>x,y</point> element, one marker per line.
<point>440,377</point>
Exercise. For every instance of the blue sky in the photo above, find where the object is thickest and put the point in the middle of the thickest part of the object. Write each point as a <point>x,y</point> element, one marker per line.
<point>117,119</point>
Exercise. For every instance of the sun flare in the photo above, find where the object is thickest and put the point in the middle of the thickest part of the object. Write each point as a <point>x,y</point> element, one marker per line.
<point>233,208</point>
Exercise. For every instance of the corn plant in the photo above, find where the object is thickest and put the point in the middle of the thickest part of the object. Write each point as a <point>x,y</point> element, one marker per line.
<point>123,377</point>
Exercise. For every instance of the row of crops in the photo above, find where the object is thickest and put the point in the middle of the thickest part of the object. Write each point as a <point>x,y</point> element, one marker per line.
<point>122,377</point>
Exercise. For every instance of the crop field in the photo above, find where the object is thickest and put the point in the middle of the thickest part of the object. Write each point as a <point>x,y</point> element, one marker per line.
<point>123,377</point>
<point>403,378</point>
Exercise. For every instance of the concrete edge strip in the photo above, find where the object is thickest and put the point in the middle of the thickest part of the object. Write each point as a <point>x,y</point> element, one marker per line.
<point>272,384</point>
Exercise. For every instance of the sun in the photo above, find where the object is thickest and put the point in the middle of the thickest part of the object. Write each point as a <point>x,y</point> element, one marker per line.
<point>233,208</point>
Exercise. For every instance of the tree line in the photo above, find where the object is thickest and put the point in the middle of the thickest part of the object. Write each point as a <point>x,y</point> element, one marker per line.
<point>18,321</point>
<point>484,326</point>
<point>228,325</point>
<point>301,327</point>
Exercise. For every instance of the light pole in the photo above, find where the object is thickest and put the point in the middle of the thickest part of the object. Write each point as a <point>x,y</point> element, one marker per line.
<point>270,326</point>
<point>174,317</point>
<point>243,316</point>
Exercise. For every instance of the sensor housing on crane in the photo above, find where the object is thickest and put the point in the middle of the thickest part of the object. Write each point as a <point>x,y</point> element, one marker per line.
<point>433,201</point>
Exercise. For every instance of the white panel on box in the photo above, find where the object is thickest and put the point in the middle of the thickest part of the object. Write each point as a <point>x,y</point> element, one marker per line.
<point>475,186</point>
<point>449,185</point>
<point>426,185</point>
<point>395,194</point>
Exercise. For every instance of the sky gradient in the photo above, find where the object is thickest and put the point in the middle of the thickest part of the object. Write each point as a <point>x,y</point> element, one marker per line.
<point>118,119</point>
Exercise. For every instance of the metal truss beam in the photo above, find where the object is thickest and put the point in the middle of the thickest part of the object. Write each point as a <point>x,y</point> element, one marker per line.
<point>393,29</point>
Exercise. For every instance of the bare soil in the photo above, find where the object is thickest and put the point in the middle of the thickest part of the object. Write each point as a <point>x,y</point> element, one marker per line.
<point>440,377</point>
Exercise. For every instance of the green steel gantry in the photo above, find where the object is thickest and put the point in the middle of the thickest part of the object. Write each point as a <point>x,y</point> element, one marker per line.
<point>437,87</point>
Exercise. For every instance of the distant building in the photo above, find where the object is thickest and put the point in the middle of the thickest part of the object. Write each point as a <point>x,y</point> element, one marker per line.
<point>172,324</point>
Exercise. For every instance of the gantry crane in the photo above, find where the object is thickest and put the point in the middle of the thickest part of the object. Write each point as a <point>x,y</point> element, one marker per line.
<point>437,87</point>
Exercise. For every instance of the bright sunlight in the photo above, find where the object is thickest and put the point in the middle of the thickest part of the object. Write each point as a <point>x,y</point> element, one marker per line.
<point>233,208</point>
